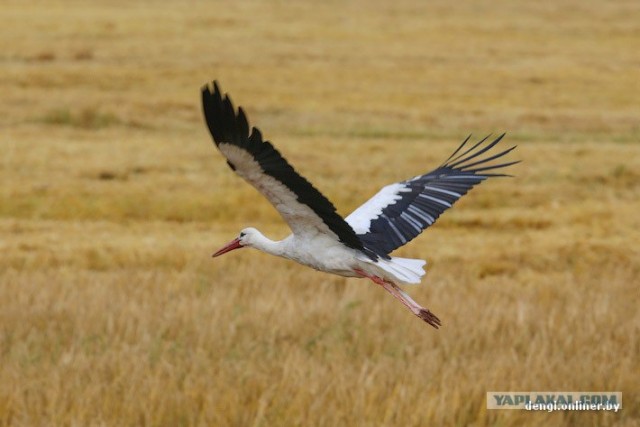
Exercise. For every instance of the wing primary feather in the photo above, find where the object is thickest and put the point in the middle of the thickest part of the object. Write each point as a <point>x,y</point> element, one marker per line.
<point>458,149</point>
<point>216,90</point>
<point>478,153</point>
<point>503,165</point>
<point>468,151</point>
<point>486,160</point>
<point>243,124</point>
<point>256,136</point>
<point>443,191</point>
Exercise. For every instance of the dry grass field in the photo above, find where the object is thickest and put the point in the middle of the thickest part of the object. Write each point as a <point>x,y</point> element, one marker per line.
<point>112,198</point>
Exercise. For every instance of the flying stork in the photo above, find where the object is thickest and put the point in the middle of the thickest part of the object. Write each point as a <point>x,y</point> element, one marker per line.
<point>360,244</point>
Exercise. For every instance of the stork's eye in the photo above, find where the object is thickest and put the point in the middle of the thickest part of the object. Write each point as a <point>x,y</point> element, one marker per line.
<point>242,234</point>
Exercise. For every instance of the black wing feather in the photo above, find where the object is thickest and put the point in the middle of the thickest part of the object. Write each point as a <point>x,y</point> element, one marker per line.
<point>227,126</point>
<point>424,198</point>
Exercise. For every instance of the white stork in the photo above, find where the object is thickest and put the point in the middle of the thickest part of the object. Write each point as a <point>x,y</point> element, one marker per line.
<point>360,244</point>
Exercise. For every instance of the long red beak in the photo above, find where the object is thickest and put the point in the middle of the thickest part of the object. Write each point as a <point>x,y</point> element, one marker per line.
<point>234,244</point>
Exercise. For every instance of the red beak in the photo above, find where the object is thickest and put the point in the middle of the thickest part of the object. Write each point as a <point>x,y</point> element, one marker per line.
<point>234,244</point>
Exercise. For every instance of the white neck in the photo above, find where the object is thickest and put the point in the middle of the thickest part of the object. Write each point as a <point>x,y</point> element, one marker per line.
<point>259,241</point>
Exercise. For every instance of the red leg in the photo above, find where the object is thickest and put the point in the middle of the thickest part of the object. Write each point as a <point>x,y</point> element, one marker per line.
<point>405,299</point>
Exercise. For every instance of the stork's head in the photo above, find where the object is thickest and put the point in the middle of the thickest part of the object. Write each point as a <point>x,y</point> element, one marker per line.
<point>244,239</point>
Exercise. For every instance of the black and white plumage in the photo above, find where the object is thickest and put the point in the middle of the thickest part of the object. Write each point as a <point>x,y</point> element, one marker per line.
<point>401,211</point>
<point>360,245</point>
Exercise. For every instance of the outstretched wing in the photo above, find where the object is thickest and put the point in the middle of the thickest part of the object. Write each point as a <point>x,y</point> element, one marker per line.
<point>401,211</point>
<point>303,207</point>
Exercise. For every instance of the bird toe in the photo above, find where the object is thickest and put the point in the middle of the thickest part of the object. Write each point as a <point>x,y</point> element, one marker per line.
<point>430,318</point>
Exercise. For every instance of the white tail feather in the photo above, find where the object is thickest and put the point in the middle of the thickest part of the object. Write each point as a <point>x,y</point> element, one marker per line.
<point>412,269</point>
<point>405,270</point>
<point>414,265</point>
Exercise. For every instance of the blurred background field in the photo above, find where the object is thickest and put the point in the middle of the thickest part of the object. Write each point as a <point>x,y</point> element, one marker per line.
<point>112,199</point>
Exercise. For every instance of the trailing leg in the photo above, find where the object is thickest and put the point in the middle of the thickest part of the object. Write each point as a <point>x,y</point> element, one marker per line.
<point>404,298</point>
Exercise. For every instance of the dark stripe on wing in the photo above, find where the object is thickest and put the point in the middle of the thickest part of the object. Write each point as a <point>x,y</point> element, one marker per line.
<point>424,198</point>
<point>227,126</point>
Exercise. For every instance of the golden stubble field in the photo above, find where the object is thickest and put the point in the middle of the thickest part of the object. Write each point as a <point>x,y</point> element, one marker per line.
<point>112,199</point>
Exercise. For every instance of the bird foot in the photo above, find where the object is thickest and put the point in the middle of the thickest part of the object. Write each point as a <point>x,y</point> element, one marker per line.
<point>394,290</point>
<point>430,318</point>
